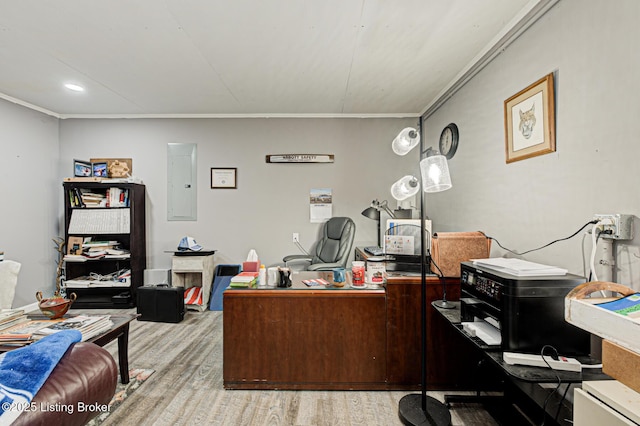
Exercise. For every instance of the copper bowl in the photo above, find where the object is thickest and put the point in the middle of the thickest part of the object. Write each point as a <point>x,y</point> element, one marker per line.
<point>55,307</point>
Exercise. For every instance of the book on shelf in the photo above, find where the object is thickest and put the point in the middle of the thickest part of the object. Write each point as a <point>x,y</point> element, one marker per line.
<point>74,258</point>
<point>88,325</point>
<point>120,278</point>
<point>117,197</point>
<point>93,199</point>
<point>100,221</point>
<point>100,243</point>
<point>87,282</point>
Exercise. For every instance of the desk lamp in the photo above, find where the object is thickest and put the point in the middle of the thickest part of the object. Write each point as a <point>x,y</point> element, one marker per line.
<point>373,212</point>
<point>419,409</point>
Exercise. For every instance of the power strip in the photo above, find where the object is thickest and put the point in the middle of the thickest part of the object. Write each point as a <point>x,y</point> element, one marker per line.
<point>562,363</point>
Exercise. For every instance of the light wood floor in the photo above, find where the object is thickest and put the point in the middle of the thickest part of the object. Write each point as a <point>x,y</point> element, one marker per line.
<point>186,388</point>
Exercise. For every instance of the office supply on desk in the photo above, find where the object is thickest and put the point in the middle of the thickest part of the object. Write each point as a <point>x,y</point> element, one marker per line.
<point>339,277</point>
<point>374,250</point>
<point>315,282</point>
<point>529,310</point>
<point>357,273</point>
<point>284,277</point>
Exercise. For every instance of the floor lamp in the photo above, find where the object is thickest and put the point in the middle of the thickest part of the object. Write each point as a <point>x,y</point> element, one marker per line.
<point>420,409</point>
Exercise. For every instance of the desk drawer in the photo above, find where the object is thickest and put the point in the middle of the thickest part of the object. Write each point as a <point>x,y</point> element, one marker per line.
<point>189,263</point>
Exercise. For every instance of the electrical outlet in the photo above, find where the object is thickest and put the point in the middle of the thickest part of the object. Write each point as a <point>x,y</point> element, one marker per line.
<point>617,226</point>
<point>296,237</point>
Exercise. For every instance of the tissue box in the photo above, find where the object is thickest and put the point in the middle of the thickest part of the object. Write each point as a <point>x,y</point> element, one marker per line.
<point>251,266</point>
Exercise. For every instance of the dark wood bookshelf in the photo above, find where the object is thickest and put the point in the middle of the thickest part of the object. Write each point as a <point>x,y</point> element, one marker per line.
<point>134,241</point>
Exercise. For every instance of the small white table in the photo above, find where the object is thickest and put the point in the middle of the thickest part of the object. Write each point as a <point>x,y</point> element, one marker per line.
<point>194,270</point>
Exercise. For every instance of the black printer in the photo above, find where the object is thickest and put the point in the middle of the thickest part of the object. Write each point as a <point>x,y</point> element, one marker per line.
<point>529,311</point>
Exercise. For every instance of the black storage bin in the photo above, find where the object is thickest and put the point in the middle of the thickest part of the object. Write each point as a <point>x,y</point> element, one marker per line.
<point>160,303</point>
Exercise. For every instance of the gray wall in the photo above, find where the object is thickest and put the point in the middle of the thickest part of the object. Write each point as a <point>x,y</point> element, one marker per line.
<point>591,47</point>
<point>30,193</point>
<point>272,200</point>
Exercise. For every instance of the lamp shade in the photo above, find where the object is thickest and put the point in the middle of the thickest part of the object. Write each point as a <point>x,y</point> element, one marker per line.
<point>371,213</point>
<point>406,140</point>
<point>435,173</point>
<point>405,187</point>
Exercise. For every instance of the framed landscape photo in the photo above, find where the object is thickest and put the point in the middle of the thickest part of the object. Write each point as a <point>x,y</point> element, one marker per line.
<point>529,121</point>
<point>224,177</point>
<point>81,168</point>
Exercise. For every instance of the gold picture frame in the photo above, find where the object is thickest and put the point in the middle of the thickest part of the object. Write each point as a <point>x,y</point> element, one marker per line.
<point>224,178</point>
<point>529,121</point>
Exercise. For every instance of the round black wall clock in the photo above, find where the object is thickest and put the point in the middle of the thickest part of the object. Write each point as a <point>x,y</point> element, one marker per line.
<point>449,141</point>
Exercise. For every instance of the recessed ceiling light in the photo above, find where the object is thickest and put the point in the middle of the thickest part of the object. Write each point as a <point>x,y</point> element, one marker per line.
<point>74,87</point>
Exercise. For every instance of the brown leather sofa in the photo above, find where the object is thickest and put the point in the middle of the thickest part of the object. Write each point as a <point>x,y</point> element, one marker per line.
<point>85,378</point>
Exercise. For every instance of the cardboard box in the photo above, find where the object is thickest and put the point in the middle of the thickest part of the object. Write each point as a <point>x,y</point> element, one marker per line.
<point>622,364</point>
<point>449,249</point>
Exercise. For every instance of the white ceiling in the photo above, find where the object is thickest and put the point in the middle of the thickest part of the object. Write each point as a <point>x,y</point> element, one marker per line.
<point>244,57</point>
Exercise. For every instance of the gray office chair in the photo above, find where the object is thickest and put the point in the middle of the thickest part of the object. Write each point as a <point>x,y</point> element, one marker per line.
<point>332,250</point>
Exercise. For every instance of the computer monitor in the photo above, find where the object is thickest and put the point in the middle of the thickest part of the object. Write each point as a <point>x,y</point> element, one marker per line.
<point>402,236</point>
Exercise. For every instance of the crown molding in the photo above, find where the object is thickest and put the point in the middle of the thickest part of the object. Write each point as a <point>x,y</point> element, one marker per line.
<point>533,11</point>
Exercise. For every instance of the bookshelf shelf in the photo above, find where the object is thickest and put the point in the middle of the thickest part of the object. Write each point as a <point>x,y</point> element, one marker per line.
<point>106,212</point>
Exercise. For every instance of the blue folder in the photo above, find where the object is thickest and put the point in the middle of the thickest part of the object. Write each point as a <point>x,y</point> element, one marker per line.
<point>221,282</point>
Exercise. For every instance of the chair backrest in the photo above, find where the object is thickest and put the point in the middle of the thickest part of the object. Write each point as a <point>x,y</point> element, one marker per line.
<point>336,241</point>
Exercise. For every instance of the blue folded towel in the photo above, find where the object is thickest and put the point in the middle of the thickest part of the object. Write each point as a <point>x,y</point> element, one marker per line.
<point>23,371</point>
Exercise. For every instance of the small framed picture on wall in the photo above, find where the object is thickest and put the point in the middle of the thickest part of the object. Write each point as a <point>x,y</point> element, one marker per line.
<point>529,121</point>
<point>224,178</point>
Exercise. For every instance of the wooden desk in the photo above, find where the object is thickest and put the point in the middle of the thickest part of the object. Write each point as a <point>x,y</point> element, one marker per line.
<point>304,338</point>
<point>310,338</point>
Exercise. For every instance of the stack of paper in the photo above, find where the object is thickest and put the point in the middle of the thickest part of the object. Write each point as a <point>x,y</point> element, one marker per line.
<point>88,325</point>
<point>518,267</point>
<point>244,279</point>
<point>484,331</point>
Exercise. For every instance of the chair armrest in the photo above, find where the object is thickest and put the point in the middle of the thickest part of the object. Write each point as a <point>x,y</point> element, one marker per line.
<point>301,257</point>
<point>323,266</point>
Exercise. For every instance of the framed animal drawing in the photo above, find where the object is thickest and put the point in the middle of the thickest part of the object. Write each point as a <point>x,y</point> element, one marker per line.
<point>529,121</point>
